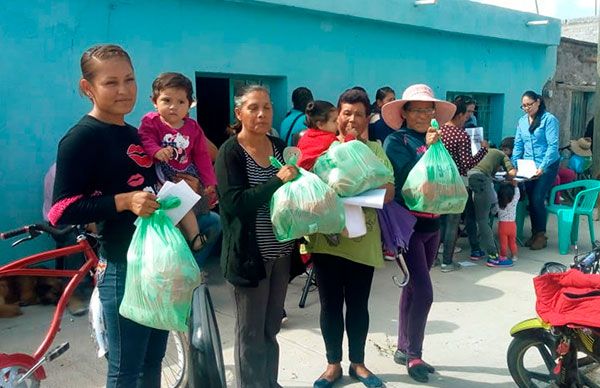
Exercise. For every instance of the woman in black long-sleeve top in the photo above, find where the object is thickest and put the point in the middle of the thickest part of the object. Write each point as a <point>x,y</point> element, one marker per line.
<point>253,261</point>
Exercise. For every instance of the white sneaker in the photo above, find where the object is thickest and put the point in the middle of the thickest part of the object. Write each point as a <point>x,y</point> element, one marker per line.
<point>445,268</point>
<point>514,258</point>
<point>457,249</point>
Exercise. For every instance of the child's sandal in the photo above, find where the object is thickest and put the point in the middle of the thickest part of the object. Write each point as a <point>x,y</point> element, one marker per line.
<point>201,238</point>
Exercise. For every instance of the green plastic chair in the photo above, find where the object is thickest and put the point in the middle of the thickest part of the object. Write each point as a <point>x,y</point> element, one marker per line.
<point>568,216</point>
<point>522,213</point>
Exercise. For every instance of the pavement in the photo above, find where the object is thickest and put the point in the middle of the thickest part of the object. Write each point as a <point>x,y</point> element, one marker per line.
<point>466,337</point>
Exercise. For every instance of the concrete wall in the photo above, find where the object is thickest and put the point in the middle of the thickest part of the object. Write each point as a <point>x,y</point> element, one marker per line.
<point>584,29</point>
<point>325,45</point>
<point>575,72</point>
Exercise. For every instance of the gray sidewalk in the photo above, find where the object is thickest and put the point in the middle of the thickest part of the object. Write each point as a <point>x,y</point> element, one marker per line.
<point>466,339</point>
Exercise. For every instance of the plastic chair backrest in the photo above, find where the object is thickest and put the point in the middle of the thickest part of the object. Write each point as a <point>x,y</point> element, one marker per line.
<point>590,183</point>
<point>586,200</point>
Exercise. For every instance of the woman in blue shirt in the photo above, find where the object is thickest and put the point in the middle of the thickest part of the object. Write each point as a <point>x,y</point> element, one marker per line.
<point>537,139</point>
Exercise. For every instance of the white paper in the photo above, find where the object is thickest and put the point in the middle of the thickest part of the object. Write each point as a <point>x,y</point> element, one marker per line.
<point>476,136</point>
<point>182,191</point>
<point>526,168</point>
<point>355,221</point>
<point>372,198</point>
<point>501,176</point>
<point>466,263</point>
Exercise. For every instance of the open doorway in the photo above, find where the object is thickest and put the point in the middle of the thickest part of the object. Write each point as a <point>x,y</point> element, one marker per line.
<point>215,92</point>
<point>213,107</point>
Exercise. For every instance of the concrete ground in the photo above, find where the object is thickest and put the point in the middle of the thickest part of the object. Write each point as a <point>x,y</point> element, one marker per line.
<point>466,338</point>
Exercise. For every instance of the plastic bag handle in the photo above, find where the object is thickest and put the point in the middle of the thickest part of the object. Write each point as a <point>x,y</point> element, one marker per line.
<point>435,124</point>
<point>274,162</point>
<point>170,202</point>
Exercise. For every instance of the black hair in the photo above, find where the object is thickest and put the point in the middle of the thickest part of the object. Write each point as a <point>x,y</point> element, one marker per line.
<point>318,111</point>
<point>301,97</point>
<point>506,193</point>
<point>239,100</point>
<point>541,109</point>
<point>508,142</point>
<point>379,96</point>
<point>99,53</point>
<point>175,81</point>
<point>462,102</point>
<point>358,87</point>
<point>356,95</point>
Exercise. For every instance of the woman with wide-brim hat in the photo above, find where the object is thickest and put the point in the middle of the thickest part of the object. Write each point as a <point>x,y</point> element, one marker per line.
<point>411,117</point>
<point>581,158</point>
<point>582,146</point>
<point>537,139</point>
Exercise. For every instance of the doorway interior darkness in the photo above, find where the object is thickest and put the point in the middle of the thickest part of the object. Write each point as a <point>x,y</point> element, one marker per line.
<point>212,107</point>
<point>215,92</point>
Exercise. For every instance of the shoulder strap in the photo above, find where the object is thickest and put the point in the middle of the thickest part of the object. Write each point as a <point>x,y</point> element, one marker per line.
<point>289,133</point>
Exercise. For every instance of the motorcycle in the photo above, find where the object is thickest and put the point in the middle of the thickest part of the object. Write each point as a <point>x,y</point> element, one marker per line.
<point>541,354</point>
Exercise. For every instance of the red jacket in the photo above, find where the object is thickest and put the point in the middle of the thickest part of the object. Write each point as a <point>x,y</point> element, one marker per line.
<point>570,297</point>
<point>312,144</point>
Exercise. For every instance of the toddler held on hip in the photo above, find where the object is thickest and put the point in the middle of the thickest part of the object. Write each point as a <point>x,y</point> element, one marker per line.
<point>178,146</point>
<point>321,120</point>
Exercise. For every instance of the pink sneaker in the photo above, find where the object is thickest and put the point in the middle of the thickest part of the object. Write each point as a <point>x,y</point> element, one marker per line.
<point>389,256</point>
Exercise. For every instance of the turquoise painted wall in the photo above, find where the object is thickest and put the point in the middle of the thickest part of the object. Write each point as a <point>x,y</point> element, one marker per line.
<point>325,45</point>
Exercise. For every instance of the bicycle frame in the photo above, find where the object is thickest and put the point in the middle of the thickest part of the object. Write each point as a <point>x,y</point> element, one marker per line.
<point>19,268</point>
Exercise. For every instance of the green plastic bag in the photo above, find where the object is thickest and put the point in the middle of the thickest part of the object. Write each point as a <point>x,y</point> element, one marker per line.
<point>305,206</point>
<point>434,184</point>
<point>351,168</point>
<point>161,273</point>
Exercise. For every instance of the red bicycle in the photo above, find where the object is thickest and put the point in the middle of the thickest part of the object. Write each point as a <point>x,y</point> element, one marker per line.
<point>24,370</point>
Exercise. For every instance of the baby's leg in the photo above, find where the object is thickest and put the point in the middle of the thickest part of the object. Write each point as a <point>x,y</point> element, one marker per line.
<point>189,225</point>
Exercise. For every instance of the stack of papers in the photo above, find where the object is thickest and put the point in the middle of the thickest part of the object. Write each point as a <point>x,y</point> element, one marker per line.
<point>476,136</point>
<point>526,168</point>
<point>355,218</point>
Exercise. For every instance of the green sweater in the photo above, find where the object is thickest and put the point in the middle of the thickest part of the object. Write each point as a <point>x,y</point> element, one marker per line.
<point>492,161</point>
<point>364,249</point>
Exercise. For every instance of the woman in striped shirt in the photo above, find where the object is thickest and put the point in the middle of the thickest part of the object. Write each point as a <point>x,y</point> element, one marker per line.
<point>253,261</point>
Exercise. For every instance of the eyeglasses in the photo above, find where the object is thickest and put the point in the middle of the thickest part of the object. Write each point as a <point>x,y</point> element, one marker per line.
<point>427,111</point>
<point>470,111</point>
<point>527,106</point>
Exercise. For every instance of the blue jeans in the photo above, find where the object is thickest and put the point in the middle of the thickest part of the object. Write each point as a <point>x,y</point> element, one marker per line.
<point>210,225</point>
<point>135,352</point>
<point>537,191</point>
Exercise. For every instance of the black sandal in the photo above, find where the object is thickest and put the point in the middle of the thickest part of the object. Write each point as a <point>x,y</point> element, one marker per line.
<point>202,238</point>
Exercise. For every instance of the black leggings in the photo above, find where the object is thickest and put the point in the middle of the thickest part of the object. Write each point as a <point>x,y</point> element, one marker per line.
<point>341,280</point>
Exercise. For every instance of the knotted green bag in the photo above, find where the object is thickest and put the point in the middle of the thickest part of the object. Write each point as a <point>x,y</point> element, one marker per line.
<point>351,168</point>
<point>305,206</point>
<point>161,273</point>
<point>434,184</point>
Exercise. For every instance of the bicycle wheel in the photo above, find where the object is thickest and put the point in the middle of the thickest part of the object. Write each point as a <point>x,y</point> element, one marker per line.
<point>207,369</point>
<point>11,374</point>
<point>531,361</point>
<point>175,362</point>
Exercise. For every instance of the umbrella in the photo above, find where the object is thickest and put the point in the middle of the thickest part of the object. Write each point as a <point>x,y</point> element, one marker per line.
<point>396,226</point>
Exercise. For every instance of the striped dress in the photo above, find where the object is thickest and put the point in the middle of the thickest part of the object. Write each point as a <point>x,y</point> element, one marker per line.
<point>269,247</point>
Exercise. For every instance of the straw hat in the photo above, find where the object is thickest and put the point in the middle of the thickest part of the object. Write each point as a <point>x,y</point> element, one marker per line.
<point>582,146</point>
<point>392,111</point>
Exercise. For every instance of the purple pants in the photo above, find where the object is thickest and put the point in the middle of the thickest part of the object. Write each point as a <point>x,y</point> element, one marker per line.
<point>417,296</point>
